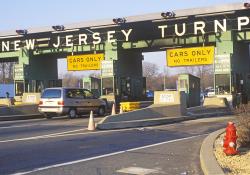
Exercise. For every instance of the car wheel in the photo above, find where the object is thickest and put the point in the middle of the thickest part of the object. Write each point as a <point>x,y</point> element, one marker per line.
<point>48,116</point>
<point>72,113</point>
<point>101,111</point>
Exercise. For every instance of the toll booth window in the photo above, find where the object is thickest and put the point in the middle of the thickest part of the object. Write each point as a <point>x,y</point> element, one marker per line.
<point>19,88</point>
<point>107,86</point>
<point>183,83</point>
<point>222,83</point>
<point>86,85</point>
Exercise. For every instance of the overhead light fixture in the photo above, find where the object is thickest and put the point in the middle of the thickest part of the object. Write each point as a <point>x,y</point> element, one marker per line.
<point>22,32</point>
<point>168,14</point>
<point>10,36</point>
<point>119,20</point>
<point>58,27</point>
<point>247,5</point>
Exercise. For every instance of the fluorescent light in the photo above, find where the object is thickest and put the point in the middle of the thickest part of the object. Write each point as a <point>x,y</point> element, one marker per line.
<point>90,31</point>
<point>70,30</point>
<point>169,19</point>
<point>170,47</point>
<point>214,14</point>
<point>11,36</point>
<point>43,45</point>
<point>104,26</point>
<point>43,39</point>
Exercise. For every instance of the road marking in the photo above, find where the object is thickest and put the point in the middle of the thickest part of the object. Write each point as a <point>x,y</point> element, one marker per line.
<point>106,155</point>
<point>18,126</point>
<point>137,171</point>
<point>59,134</point>
<point>22,121</point>
<point>64,134</point>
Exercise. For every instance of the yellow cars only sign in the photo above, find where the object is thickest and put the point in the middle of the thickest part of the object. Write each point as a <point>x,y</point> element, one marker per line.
<point>84,62</point>
<point>190,56</point>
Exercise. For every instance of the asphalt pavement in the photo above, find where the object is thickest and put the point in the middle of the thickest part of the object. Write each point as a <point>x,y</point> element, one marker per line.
<point>63,146</point>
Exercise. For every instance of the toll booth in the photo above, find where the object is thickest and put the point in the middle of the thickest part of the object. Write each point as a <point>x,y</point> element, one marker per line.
<point>93,84</point>
<point>191,86</point>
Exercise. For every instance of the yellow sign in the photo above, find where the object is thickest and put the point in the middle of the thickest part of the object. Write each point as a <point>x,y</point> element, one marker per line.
<point>84,62</point>
<point>190,56</point>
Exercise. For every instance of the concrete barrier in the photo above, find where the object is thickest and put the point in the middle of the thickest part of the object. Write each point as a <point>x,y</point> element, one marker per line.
<point>216,102</point>
<point>26,109</point>
<point>6,101</point>
<point>32,98</point>
<point>168,104</point>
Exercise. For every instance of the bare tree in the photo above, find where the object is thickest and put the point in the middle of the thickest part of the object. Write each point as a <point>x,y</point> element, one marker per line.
<point>149,69</point>
<point>95,74</point>
<point>69,80</point>
<point>205,73</point>
<point>6,72</point>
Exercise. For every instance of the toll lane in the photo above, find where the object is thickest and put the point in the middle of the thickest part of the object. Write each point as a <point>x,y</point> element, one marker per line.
<point>35,128</point>
<point>67,150</point>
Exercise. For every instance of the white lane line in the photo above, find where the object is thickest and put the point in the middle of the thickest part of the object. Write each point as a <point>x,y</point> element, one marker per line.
<point>22,121</point>
<point>65,134</point>
<point>18,126</point>
<point>106,155</point>
<point>43,136</point>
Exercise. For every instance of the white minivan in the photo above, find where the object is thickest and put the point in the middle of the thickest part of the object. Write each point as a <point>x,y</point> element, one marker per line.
<point>69,101</point>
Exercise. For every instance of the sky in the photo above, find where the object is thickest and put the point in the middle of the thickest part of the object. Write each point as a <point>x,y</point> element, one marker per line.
<point>22,14</point>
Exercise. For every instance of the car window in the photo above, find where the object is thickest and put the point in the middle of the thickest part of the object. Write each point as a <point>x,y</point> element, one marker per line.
<point>75,93</point>
<point>88,94</point>
<point>51,93</point>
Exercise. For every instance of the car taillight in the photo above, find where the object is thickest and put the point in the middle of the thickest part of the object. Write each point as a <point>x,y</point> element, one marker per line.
<point>40,102</point>
<point>60,102</point>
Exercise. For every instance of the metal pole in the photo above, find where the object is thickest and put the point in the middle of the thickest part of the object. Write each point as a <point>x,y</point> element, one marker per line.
<point>164,78</point>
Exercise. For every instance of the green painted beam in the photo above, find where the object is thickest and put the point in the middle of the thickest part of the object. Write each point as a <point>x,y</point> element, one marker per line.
<point>9,54</point>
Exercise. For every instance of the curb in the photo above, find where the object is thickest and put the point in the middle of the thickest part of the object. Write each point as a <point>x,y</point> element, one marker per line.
<point>141,123</point>
<point>209,164</point>
<point>152,122</point>
<point>21,117</point>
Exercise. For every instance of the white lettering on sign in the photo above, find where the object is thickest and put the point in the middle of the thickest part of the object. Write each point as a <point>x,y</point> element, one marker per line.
<point>163,30</point>
<point>183,30</point>
<point>5,46</point>
<point>126,34</point>
<point>242,21</point>
<point>217,25</point>
<point>166,98</point>
<point>199,26</point>
<point>177,29</point>
<point>69,42</point>
<point>30,44</point>
<point>83,38</point>
<point>58,42</point>
<point>97,38</point>
<point>17,45</point>
<point>111,36</point>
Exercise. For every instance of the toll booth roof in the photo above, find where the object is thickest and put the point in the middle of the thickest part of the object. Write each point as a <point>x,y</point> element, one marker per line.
<point>107,23</point>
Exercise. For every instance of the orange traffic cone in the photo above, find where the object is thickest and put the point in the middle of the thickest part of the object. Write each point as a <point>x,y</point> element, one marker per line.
<point>113,110</point>
<point>121,110</point>
<point>91,126</point>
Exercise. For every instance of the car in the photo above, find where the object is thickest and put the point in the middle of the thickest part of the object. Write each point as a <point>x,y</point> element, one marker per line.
<point>210,93</point>
<point>70,102</point>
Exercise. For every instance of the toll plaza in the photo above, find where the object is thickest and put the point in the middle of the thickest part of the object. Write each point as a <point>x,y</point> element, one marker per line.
<point>217,35</point>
